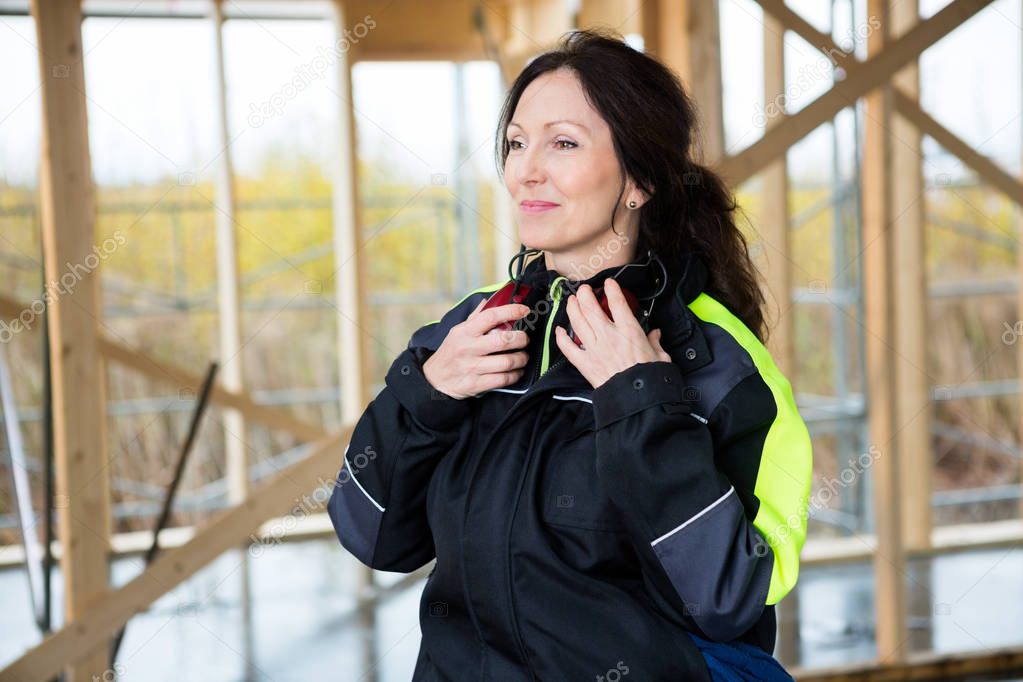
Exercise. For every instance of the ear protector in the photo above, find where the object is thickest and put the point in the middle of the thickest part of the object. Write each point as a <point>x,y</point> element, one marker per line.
<point>515,291</point>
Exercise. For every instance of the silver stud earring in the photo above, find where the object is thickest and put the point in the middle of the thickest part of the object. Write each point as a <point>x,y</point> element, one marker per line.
<point>632,204</point>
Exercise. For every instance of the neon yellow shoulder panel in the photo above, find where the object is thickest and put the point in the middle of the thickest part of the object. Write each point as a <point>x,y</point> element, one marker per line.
<point>486,288</point>
<point>786,463</point>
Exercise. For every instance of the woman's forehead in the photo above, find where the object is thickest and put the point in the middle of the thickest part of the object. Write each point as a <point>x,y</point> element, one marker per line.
<point>555,98</point>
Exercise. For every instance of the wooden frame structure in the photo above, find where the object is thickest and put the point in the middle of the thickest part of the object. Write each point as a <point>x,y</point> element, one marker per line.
<point>681,33</point>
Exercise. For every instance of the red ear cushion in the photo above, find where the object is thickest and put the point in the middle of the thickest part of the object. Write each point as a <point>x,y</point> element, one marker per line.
<point>503,296</point>
<point>606,307</point>
<point>629,297</point>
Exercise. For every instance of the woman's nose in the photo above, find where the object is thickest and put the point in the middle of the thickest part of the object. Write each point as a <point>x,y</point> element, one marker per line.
<point>530,168</point>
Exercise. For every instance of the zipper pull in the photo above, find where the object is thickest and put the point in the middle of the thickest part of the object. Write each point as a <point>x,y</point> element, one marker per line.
<point>556,292</point>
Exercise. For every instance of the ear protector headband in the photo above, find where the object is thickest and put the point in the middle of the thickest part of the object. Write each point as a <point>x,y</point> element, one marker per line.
<point>516,291</point>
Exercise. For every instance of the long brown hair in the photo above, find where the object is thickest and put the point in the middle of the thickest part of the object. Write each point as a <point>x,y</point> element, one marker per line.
<point>655,131</point>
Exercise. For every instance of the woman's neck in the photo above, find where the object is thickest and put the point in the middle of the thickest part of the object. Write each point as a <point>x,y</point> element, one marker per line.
<point>578,267</point>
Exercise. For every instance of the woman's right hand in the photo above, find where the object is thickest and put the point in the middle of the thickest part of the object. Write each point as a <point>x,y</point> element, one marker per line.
<point>475,357</point>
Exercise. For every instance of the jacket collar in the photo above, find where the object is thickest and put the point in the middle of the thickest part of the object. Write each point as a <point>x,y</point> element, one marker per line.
<point>640,278</point>
<point>681,334</point>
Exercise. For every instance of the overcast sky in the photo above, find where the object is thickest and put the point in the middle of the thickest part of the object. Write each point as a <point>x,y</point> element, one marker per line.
<point>151,108</point>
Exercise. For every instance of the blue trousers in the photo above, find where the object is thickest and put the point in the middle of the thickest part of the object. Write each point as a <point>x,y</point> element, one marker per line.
<point>740,662</point>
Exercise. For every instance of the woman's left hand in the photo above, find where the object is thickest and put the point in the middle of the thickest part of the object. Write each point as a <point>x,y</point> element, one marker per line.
<point>609,345</point>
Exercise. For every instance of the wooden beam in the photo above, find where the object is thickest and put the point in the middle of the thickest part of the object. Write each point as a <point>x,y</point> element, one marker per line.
<point>910,279</point>
<point>68,214</point>
<point>684,36</point>
<point>702,74</point>
<point>987,170</point>
<point>411,30</point>
<point>910,272</point>
<point>349,267</point>
<point>860,79</point>
<point>789,20</point>
<point>924,666</point>
<point>906,102</point>
<point>879,325</point>
<point>273,417</point>
<point>624,16</point>
<point>528,27</point>
<point>775,220</point>
<point>662,23</point>
<point>1018,220</point>
<point>355,360</point>
<point>229,323</point>
<point>304,485</point>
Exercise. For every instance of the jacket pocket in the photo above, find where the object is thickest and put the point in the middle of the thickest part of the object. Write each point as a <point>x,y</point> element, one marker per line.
<point>572,493</point>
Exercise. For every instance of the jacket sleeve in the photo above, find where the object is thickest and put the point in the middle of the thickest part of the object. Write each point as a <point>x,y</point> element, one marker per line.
<point>762,444</point>
<point>691,530</point>
<point>378,505</point>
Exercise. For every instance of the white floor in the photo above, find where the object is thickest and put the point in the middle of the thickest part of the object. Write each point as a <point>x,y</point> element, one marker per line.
<point>302,625</point>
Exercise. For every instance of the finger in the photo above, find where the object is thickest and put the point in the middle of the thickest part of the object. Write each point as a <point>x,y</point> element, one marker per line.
<point>578,320</point>
<point>491,317</point>
<point>502,362</point>
<point>571,351</point>
<point>499,340</point>
<point>654,337</point>
<point>479,305</point>
<point>595,315</point>
<point>621,313</point>
<point>655,341</point>
<point>489,382</point>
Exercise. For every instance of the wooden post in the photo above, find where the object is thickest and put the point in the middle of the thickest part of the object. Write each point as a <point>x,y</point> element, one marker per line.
<point>68,213</point>
<point>685,37</point>
<point>354,358</point>
<point>624,16</point>
<point>231,372</point>
<point>1018,213</point>
<point>532,26</point>
<point>232,367</point>
<point>774,222</point>
<point>911,371</point>
<point>775,243</point>
<point>879,295</point>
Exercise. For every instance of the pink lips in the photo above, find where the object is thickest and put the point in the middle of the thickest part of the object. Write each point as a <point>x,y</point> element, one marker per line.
<point>536,206</point>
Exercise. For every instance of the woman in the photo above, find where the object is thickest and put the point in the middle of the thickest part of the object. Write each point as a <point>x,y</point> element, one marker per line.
<point>610,490</point>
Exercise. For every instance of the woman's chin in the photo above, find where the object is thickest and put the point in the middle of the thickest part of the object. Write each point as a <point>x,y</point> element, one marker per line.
<point>538,238</point>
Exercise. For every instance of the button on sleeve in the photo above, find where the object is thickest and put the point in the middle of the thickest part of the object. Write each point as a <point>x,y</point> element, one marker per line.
<point>635,389</point>
<point>428,406</point>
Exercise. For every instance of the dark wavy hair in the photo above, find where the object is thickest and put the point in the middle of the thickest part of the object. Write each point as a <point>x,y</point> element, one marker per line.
<point>654,127</point>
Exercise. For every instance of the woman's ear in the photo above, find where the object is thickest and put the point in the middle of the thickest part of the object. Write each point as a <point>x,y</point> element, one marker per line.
<point>634,193</point>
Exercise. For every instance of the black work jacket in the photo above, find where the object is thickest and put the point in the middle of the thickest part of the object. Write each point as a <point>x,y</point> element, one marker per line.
<point>578,531</point>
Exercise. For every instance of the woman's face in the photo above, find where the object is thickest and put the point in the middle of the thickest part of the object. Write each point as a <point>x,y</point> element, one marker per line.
<point>562,158</point>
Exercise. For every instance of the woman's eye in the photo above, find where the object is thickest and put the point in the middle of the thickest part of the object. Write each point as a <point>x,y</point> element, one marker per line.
<point>570,145</point>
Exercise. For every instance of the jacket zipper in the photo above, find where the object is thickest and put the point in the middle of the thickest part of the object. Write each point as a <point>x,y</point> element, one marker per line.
<point>554,295</point>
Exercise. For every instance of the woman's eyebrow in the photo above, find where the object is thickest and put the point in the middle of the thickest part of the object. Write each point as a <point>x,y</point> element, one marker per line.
<point>551,123</point>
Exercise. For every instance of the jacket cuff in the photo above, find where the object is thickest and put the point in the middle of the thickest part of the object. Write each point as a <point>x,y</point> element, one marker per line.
<point>428,406</point>
<point>638,387</point>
